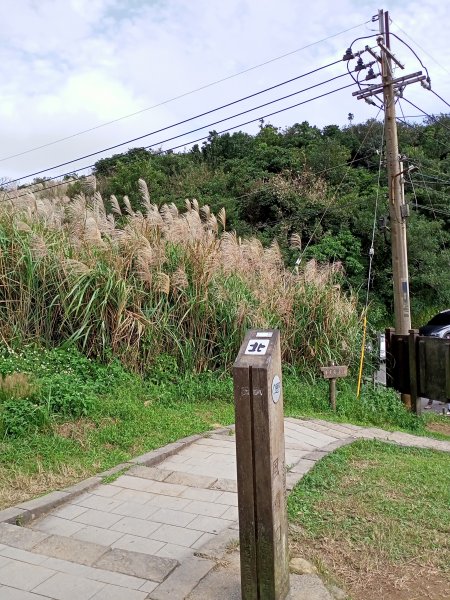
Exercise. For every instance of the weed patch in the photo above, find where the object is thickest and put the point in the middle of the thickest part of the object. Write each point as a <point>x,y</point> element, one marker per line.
<point>377,516</point>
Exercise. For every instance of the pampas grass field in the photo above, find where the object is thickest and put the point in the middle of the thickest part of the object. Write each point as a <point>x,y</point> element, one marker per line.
<point>135,285</point>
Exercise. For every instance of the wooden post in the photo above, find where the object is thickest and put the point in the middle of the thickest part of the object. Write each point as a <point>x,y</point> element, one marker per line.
<point>261,469</point>
<point>333,393</point>
<point>416,404</point>
<point>389,358</point>
<point>332,373</point>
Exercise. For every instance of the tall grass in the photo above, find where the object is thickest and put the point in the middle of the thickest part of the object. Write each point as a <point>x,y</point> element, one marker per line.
<point>140,284</point>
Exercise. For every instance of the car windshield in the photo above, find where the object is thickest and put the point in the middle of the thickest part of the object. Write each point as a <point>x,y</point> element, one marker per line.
<point>443,318</point>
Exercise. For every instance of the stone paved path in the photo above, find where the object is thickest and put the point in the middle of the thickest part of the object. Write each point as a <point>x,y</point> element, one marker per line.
<point>155,532</point>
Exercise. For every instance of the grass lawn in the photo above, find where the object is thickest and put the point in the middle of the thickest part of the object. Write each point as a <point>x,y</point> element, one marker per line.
<point>129,423</point>
<point>377,517</point>
<point>78,417</point>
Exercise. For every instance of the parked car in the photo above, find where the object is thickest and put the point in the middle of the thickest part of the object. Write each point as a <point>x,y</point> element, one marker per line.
<point>438,326</point>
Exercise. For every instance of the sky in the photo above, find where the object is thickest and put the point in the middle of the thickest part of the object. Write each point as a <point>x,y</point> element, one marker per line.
<point>71,65</point>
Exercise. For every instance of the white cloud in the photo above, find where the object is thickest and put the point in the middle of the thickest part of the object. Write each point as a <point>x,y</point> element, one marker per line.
<point>71,65</point>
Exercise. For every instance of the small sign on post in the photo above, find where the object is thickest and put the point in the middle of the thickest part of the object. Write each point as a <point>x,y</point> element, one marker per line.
<point>261,469</point>
<point>332,373</point>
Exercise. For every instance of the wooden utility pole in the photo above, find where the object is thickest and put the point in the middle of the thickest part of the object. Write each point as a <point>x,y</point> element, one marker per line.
<point>397,210</point>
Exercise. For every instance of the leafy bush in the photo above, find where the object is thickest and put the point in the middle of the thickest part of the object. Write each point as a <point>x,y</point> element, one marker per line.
<point>19,417</point>
<point>37,383</point>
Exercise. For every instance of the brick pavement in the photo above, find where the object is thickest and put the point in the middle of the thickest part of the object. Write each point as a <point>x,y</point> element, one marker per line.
<point>156,531</point>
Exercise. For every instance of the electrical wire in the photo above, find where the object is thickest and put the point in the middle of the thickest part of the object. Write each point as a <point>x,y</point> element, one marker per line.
<point>426,114</point>
<point>69,162</point>
<point>208,85</point>
<point>440,97</point>
<point>333,198</point>
<point>413,51</point>
<point>419,46</point>
<point>198,139</point>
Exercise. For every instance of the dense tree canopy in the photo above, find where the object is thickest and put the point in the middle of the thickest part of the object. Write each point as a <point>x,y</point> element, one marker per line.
<point>321,185</point>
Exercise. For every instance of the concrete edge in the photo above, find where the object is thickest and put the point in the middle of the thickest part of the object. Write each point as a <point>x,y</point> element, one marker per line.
<point>23,513</point>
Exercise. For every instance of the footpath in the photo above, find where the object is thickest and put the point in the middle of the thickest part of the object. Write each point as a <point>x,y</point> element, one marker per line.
<point>160,527</point>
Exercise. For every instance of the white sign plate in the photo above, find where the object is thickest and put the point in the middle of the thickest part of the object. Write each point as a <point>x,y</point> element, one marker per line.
<point>257,347</point>
<point>264,334</point>
<point>276,389</point>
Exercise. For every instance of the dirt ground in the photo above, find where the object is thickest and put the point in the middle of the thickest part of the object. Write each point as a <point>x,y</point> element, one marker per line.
<point>363,579</point>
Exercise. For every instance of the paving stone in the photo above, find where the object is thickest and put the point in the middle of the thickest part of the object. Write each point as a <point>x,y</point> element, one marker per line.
<point>57,546</point>
<point>209,524</point>
<point>216,546</point>
<point>23,555</point>
<point>133,509</point>
<point>14,515</point>
<point>315,456</point>
<point>183,580</point>
<point>171,502</point>
<point>134,496</point>
<point>149,586</point>
<point>303,466</point>
<point>23,576</point>
<point>315,438</point>
<point>137,564</point>
<point>173,517</point>
<point>20,537</point>
<point>97,574</point>
<point>292,479</point>
<point>226,485</point>
<point>374,432</point>
<point>69,511</point>
<point>208,509</point>
<point>9,593</point>
<point>138,544</point>
<point>153,487</point>
<point>204,539</point>
<point>113,592</point>
<point>200,481</point>
<point>149,473</point>
<point>43,504</point>
<point>308,587</point>
<point>4,561</point>
<point>228,498</point>
<point>176,552</point>
<point>99,503</point>
<point>176,535</point>
<point>201,494</point>
<point>134,526</point>
<point>231,513</point>
<point>222,442</point>
<point>82,486</point>
<point>336,431</point>
<point>338,444</point>
<point>98,535</point>
<point>68,587</point>
<point>57,526</point>
<point>97,518</point>
<point>176,458</point>
<point>108,491</point>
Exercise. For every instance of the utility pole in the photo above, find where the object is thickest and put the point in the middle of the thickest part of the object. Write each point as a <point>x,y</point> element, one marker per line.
<point>390,87</point>
<point>397,208</point>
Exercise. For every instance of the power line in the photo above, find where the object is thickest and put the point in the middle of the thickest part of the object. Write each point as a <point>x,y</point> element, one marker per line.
<point>421,47</point>
<point>440,97</point>
<point>426,114</point>
<point>199,139</point>
<point>192,119</point>
<point>333,198</point>
<point>208,85</point>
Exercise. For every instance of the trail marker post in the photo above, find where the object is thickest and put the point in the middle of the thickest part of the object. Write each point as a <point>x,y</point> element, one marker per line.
<point>261,469</point>
<point>332,373</point>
